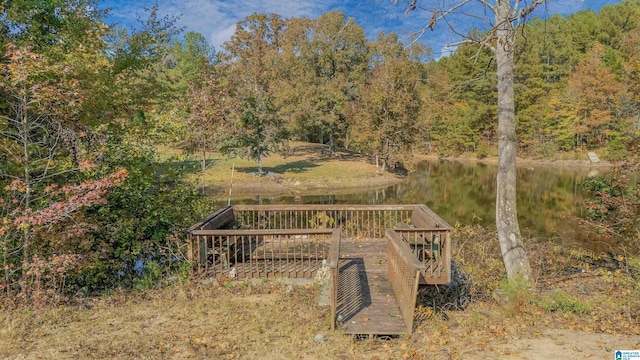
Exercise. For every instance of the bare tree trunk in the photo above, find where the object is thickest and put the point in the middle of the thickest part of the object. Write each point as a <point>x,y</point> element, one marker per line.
<point>204,169</point>
<point>332,145</point>
<point>5,263</point>
<point>26,232</point>
<point>515,257</point>
<point>259,159</point>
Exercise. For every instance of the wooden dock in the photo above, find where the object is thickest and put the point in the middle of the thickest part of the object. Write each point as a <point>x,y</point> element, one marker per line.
<point>377,256</point>
<point>367,304</point>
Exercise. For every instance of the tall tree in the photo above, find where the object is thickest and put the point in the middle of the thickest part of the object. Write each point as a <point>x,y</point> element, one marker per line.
<point>254,49</point>
<point>42,24</point>
<point>39,171</point>
<point>545,55</point>
<point>501,40</point>
<point>388,121</point>
<point>337,59</point>
<point>324,63</point>
<point>195,77</point>
<point>594,93</point>
<point>208,119</point>
<point>72,92</point>
<point>632,76</point>
<point>474,84</point>
<point>188,60</point>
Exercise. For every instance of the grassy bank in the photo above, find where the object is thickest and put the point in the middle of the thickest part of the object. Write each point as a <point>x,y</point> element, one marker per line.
<point>585,306</point>
<point>306,168</point>
<point>310,169</point>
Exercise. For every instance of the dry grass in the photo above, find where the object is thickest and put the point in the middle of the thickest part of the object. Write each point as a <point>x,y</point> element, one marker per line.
<point>269,321</point>
<point>306,167</point>
<point>577,312</point>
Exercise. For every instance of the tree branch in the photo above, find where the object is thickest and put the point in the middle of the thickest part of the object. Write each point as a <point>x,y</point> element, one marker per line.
<point>524,12</point>
<point>488,5</point>
<point>434,19</point>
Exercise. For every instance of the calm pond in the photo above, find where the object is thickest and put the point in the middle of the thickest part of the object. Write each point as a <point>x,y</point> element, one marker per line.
<point>549,198</point>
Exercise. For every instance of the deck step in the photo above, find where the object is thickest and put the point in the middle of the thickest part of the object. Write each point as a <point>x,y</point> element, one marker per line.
<point>366,301</point>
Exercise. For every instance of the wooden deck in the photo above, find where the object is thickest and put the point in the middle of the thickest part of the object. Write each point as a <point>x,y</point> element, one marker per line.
<point>376,255</point>
<point>366,301</point>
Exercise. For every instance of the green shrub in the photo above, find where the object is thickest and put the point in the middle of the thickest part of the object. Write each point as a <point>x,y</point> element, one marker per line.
<point>616,149</point>
<point>548,150</point>
<point>150,278</point>
<point>143,220</point>
<point>560,302</point>
<point>515,289</point>
<point>482,151</point>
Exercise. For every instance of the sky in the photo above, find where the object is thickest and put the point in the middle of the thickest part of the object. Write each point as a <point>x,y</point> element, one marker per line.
<point>216,19</point>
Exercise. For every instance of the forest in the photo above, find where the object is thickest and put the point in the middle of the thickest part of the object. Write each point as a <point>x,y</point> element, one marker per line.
<point>84,107</point>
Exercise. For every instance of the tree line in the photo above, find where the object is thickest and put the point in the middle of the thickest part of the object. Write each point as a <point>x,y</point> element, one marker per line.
<point>321,80</point>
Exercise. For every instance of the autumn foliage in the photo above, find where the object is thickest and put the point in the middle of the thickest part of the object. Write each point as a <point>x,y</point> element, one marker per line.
<point>67,93</point>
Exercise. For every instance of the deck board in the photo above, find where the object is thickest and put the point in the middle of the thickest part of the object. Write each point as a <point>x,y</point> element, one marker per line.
<point>366,300</point>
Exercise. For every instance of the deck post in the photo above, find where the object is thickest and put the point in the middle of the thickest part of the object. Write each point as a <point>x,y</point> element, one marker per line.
<point>334,266</point>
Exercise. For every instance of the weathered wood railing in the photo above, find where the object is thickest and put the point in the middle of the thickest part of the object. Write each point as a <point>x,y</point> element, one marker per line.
<point>354,220</point>
<point>334,267</point>
<point>426,234</point>
<point>404,275</point>
<point>432,247</point>
<point>295,253</point>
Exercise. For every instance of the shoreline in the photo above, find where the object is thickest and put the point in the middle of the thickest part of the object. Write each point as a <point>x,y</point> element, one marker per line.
<point>280,186</point>
<point>283,185</point>
<point>522,162</point>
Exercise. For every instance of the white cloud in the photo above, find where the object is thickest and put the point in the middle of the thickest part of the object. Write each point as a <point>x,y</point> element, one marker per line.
<point>218,37</point>
<point>214,18</point>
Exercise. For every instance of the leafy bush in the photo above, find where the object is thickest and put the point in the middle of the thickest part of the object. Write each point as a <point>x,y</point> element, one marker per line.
<point>478,256</point>
<point>613,207</point>
<point>548,150</point>
<point>150,276</point>
<point>515,290</point>
<point>616,149</point>
<point>482,151</point>
<point>143,221</point>
<point>560,302</point>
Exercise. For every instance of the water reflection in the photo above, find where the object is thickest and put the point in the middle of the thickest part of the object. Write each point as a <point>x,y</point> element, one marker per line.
<point>549,199</point>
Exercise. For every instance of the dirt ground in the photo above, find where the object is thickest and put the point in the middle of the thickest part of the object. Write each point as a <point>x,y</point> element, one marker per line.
<point>568,344</point>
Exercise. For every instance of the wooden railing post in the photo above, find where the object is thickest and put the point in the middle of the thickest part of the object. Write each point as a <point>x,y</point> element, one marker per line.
<point>432,247</point>
<point>334,268</point>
